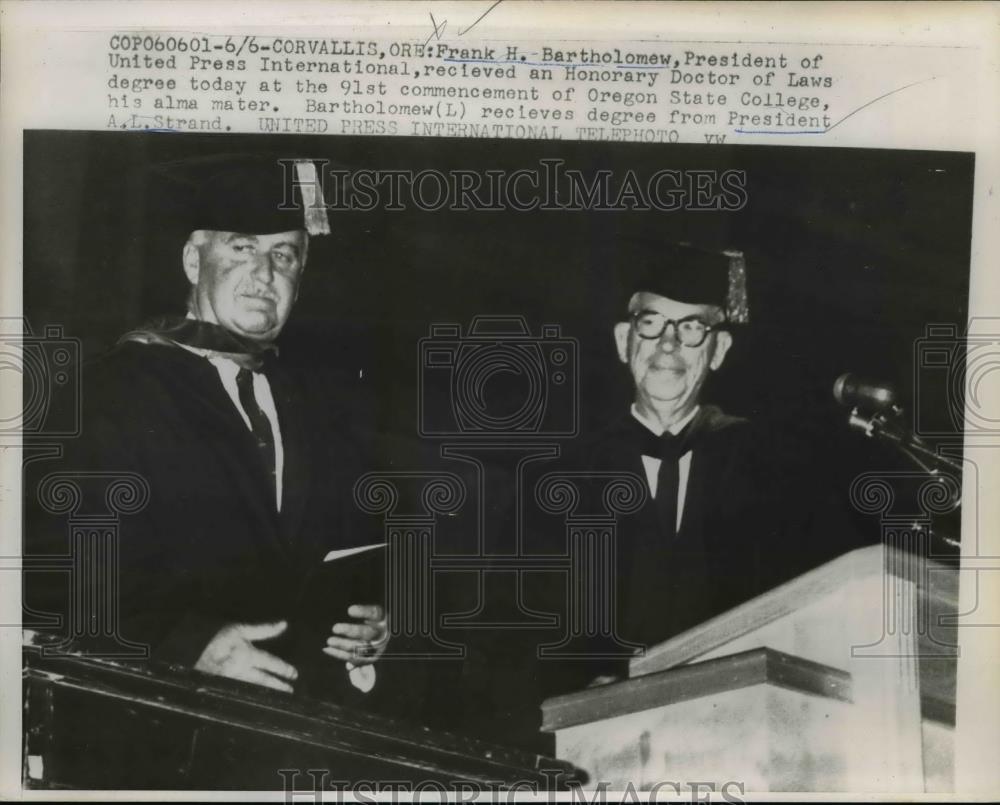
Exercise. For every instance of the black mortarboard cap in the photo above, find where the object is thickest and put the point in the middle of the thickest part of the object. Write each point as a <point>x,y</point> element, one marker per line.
<point>250,193</point>
<point>686,274</point>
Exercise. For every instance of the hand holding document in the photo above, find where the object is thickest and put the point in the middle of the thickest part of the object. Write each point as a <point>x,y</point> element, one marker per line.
<point>361,642</point>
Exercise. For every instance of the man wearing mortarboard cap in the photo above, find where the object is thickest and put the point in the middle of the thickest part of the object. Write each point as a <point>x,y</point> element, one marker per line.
<point>247,483</point>
<point>728,515</point>
<point>676,557</point>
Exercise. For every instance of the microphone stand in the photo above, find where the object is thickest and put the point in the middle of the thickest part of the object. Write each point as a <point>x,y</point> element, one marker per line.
<point>878,426</point>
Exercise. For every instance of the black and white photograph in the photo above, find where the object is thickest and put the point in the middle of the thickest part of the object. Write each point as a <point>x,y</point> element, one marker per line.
<point>451,465</point>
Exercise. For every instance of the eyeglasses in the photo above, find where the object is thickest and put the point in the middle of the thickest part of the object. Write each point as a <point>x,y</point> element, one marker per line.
<point>691,331</point>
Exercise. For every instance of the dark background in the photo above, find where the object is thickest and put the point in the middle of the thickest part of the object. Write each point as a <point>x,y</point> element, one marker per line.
<point>850,254</point>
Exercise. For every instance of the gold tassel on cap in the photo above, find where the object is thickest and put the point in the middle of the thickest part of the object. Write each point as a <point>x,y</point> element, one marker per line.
<point>316,220</point>
<point>737,306</point>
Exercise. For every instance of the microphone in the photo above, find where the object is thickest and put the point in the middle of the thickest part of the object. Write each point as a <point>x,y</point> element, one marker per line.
<point>850,390</point>
<point>883,420</point>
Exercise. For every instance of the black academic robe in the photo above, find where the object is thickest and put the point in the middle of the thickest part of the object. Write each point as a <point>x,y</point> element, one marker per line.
<point>752,518</point>
<point>210,547</point>
<point>667,583</point>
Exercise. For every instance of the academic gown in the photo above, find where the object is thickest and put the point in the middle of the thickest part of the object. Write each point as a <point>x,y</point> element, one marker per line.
<point>667,583</point>
<point>752,519</point>
<point>210,547</point>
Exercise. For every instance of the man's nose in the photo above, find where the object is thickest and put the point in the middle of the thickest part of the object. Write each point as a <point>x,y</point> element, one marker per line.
<point>668,338</point>
<point>263,268</point>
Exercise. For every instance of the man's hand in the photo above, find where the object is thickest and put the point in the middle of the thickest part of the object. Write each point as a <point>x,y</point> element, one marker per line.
<point>360,643</point>
<point>231,653</point>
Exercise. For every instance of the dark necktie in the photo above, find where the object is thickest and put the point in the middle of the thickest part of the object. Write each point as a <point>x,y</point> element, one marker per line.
<point>259,423</point>
<point>668,481</point>
<point>669,449</point>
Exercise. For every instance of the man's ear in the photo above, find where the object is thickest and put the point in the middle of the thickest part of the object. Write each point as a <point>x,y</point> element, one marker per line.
<point>192,262</point>
<point>621,340</point>
<point>723,341</point>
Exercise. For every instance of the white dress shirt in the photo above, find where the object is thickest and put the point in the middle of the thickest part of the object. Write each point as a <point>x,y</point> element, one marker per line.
<point>262,392</point>
<point>652,464</point>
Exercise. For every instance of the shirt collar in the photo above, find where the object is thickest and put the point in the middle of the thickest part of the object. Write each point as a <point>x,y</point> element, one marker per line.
<point>656,428</point>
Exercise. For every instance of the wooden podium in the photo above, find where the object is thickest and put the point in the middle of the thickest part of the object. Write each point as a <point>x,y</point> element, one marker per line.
<point>841,680</point>
<point>99,724</point>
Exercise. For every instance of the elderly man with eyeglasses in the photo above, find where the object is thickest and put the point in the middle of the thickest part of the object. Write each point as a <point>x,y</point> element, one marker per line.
<point>677,333</point>
<point>721,516</point>
<point>682,313</point>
